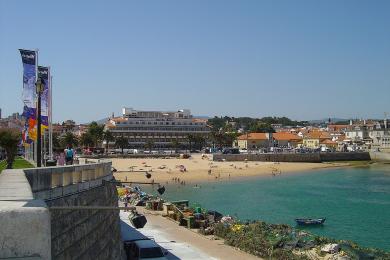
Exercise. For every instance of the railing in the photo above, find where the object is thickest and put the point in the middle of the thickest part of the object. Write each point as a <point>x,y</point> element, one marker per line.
<point>51,182</point>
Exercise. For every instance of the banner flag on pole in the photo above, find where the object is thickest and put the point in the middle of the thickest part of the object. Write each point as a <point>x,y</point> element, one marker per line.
<point>29,59</point>
<point>44,74</point>
<point>29,76</point>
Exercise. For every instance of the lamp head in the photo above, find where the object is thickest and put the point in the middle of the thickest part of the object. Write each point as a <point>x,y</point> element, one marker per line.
<point>39,85</point>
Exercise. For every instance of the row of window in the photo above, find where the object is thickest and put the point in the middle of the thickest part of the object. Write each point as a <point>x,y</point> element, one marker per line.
<point>156,123</point>
<point>162,129</point>
<point>149,136</point>
<point>142,140</point>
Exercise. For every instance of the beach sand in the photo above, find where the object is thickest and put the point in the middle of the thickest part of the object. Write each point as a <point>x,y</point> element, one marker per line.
<point>199,170</point>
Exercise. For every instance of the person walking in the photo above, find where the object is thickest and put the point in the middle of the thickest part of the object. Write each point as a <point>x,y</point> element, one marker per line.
<point>69,154</point>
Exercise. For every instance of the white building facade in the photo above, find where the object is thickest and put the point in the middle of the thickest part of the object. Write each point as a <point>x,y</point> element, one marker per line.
<point>162,128</point>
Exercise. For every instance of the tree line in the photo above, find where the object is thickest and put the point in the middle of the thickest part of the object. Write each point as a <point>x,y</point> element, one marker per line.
<point>248,124</point>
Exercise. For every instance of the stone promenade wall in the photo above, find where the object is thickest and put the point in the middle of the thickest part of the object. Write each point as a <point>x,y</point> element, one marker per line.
<point>380,156</point>
<point>86,234</point>
<point>294,157</point>
<point>31,228</point>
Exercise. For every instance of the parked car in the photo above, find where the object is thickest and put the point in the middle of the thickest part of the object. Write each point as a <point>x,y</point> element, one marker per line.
<point>231,151</point>
<point>144,249</point>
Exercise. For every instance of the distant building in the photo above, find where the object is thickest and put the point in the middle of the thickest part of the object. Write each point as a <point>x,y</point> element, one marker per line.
<point>313,139</point>
<point>161,128</point>
<point>289,140</point>
<point>380,136</point>
<point>253,141</point>
<point>15,121</point>
<point>265,140</point>
<point>69,126</point>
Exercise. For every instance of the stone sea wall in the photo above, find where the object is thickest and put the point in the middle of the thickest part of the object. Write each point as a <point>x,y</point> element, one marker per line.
<point>86,234</point>
<point>294,157</point>
<point>32,226</point>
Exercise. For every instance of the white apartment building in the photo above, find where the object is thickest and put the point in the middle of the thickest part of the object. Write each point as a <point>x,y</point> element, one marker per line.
<point>381,136</point>
<point>161,128</point>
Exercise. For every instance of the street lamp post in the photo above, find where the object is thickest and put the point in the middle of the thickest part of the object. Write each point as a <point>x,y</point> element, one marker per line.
<point>39,87</point>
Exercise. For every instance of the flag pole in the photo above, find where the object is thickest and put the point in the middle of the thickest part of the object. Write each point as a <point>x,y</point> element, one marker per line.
<point>50,116</point>
<point>35,147</point>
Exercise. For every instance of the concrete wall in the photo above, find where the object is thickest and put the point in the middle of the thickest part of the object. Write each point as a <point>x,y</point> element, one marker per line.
<point>331,157</point>
<point>294,157</point>
<point>32,229</point>
<point>86,234</point>
<point>24,221</point>
<point>380,156</point>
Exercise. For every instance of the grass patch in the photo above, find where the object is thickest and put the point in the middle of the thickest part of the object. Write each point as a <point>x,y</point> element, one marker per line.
<point>19,163</point>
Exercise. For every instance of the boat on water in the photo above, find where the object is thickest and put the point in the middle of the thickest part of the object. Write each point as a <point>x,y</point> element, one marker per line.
<point>310,221</point>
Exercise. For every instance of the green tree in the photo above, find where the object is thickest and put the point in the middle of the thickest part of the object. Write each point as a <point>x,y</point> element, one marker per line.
<point>199,142</point>
<point>56,142</point>
<point>217,138</point>
<point>86,140</point>
<point>190,140</point>
<point>149,145</point>
<point>229,138</point>
<point>108,137</point>
<point>69,139</point>
<point>96,131</point>
<point>122,142</point>
<point>260,127</point>
<point>9,140</point>
<point>175,144</point>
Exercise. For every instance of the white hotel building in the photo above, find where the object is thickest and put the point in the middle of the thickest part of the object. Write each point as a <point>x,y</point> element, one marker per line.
<point>159,127</point>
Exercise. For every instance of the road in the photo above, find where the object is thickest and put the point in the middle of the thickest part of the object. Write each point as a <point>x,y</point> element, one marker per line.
<point>181,242</point>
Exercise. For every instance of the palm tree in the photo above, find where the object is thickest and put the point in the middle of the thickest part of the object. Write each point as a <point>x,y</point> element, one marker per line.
<point>199,142</point>
<point>175,144</point>
<point>69,140</point>
<point>56,142</point>
<point>96,131</point>
<point>9,140</point>
<point>122,142</point>
<point>149,145</point>
<point>86,140</point>
<point>217,138</point>
<point>108,137</point>
<point>190,139</point>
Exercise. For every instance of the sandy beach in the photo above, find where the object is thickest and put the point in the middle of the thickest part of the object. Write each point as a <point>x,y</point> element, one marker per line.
<point>197,170</point>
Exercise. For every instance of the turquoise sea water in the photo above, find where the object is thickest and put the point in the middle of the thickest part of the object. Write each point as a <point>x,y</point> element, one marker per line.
<point>355,201</point>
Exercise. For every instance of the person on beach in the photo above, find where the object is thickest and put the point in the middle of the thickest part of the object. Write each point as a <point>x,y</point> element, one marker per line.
<point>69,154</point>
<point>125,205</point>
<point>61,159</point>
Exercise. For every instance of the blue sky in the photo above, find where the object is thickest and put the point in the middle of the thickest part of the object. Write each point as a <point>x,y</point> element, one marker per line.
<point>301,59</point>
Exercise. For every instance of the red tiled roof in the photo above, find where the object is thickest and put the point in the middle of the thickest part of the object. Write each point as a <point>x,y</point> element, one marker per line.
<point>284,136</point>
<point>253,136</point>
<point>328,141</point>
<point>317,135</point>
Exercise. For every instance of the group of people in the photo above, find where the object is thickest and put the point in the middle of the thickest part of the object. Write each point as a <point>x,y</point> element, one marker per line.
<point>67,157</point>
<point>177,180</point>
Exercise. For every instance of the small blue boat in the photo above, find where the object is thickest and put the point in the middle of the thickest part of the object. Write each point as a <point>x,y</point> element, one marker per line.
<point>310,221</point>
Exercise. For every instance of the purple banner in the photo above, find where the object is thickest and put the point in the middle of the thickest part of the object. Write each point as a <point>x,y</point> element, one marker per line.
<point>43,73</point>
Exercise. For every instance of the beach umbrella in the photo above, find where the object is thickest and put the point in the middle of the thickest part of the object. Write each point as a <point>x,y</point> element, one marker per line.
<point>161,190</point>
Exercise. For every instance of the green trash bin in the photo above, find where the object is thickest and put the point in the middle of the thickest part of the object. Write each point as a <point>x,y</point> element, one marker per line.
<point>198,210</point>
<point>191,222</point>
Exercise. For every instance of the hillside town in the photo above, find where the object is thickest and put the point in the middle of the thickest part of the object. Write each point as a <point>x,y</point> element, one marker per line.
<point>156,131</point>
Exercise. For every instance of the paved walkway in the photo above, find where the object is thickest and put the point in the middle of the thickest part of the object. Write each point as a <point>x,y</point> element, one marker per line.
<point>183,243</point>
